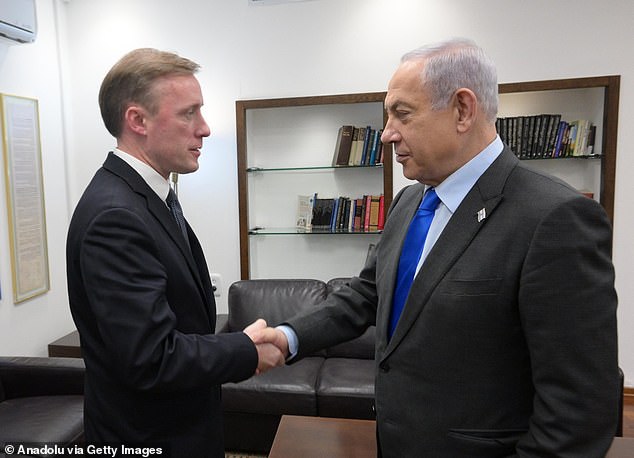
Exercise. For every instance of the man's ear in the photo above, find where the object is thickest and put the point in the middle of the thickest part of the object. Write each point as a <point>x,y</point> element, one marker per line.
<point>466,104</point>
<point>134,118</point>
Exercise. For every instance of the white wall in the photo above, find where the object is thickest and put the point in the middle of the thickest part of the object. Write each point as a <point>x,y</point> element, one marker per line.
<point>322,47</point>
<point>33,70</point>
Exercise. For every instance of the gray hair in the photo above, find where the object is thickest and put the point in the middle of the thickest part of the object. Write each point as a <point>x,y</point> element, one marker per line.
<point>454,64</point>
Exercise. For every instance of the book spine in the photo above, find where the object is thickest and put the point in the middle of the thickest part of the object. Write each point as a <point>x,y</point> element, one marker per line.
<point>368,209</point>
<point>381,224</point>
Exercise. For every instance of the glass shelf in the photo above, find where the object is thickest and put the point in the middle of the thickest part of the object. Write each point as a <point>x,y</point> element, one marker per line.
<point>325,167</point>
<point>297,231</point>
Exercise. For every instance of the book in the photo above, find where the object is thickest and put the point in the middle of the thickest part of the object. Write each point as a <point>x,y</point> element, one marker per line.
<point>591,136</point>
<point>334,215</point>
<point>345,215</point>
<point>356,146</point>
<point>376,146</point>
<point>322,214</point>
<point>367,206</point>
<point>343,146</point>
<point>351,214</point>
<point>381,223</point>
<point>367,132</point>
<point>358,215</point>
<point>553,126</point>
<point>559,140</point>
<point>304,212</point>
<point>373,225</point>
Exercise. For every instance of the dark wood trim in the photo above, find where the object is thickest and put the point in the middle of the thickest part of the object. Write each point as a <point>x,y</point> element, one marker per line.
<point>364,97</point>
<point>558,84</point>
<point>628,395</point>
<point>241,133</point>
<point>243,199</point>
<point>611,85</point>
<point>610,132</point>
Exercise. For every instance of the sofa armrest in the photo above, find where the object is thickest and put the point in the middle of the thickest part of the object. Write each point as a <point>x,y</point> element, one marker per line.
<point>23,376</point>
<point>222,323</point>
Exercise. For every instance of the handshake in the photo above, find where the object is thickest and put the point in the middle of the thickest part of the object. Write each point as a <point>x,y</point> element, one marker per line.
<point>271,344</point>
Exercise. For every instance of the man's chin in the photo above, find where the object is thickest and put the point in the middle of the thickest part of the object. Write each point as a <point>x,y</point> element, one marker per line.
<point>190,169</point>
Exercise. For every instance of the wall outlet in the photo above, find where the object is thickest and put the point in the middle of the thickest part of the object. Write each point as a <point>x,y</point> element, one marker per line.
<point>216,282</point>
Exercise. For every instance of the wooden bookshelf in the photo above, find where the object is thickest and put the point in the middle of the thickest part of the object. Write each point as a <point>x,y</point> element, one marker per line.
<point>323,102</point>
<point>610,115</point>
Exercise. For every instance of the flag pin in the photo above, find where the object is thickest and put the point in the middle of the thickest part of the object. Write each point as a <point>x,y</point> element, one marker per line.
<point>482,214</point>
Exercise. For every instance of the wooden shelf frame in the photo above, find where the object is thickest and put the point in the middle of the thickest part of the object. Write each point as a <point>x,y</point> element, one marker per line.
<point>242,106</point>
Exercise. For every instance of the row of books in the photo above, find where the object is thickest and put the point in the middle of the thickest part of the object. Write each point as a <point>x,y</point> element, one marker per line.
<point>341,214</point>
<point>358,146</point>
<point>547,136</point>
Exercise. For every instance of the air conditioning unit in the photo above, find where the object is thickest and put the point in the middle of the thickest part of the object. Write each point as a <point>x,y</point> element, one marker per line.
<point>18,22</point>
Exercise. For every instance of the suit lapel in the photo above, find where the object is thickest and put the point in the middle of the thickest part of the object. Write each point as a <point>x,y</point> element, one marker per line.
<point>461,229</point>
<point>161,213</point>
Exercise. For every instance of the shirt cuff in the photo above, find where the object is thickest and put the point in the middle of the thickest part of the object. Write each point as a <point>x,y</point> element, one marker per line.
<point>293,341</point>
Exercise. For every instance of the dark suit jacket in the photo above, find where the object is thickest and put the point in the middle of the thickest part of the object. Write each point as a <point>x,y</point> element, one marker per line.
<point>507,343</point>
<point>145,312</point>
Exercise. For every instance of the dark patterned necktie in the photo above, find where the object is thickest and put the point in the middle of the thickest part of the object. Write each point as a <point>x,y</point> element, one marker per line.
<point>410,254</point>
<point>177,213</point>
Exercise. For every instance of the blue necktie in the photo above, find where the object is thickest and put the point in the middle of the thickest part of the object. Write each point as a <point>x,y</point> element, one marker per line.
<point>177,213</point>
<point>410,254</point>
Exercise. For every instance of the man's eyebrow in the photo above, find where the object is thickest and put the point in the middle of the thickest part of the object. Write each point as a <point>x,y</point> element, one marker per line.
<point>395,104</point>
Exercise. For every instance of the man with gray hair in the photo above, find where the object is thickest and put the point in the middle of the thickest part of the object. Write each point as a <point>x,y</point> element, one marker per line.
<point>493,300</point>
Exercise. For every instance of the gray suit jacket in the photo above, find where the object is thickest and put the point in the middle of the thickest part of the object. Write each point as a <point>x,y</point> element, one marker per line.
<point>507,344</point>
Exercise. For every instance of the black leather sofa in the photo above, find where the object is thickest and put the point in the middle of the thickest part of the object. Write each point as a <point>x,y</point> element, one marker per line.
<point>336,382</point>
<point>41,400</point>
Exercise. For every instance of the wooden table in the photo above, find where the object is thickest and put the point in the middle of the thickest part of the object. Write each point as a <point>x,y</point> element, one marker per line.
<point>316,437</point>
<point>67,346</point>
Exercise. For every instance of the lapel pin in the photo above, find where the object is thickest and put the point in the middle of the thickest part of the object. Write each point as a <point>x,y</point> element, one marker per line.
<point>481,214</point>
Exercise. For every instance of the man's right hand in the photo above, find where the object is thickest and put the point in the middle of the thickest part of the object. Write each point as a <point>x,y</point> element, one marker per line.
<point>270,343</point>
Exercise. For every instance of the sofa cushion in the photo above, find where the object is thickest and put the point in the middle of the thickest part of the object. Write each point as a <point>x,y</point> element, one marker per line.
<point>286,390</point>
<point>346,388</point>
<point>273,300</point>
<point>42,419</point>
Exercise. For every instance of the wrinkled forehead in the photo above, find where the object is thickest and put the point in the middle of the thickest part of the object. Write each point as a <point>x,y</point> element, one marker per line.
<point>406,84</point>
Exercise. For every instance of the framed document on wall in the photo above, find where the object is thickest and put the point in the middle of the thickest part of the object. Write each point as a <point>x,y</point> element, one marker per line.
<point>25,196</point>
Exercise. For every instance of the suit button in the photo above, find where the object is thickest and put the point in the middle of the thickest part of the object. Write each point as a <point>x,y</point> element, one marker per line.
<point>385,367</point>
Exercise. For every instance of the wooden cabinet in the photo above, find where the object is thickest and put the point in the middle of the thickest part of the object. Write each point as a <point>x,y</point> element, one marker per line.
<point>285,149</point>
